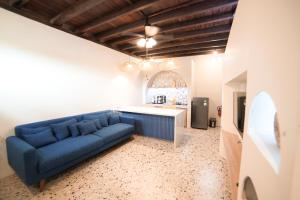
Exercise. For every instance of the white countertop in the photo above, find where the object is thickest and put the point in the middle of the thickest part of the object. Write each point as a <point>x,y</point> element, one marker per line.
<point>171,106</point>
<point>151,110</point>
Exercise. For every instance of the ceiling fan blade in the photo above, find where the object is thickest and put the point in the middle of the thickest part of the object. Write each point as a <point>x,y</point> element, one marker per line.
<point>164,37</point>
<point>133,34</point>
<point>150,31</point>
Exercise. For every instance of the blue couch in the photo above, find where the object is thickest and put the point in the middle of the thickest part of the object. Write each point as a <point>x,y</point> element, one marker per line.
<point>35,160</point>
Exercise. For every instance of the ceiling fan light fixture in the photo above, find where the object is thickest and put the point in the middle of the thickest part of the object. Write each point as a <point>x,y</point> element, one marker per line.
<point>141,42</point>
<point>148,42</point>
<point>151,30</point>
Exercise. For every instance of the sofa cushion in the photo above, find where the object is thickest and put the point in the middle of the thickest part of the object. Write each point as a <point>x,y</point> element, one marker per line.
<point>101,117</point>
<point>87,127</point>
<point>29,131</point>
<point>114,132</point>
<point>73,128</point>
<point>103,120</point>
<point>97,123</point>
<point>40,139</point>
<point>114,119</point>
<point>61,130</point>
<point>67,150</point>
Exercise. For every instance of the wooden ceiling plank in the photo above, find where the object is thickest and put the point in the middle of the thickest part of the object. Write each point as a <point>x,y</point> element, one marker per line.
<point>185,11</point>
<point>183,51</point>
<point>93,25</point>
<point>218,37</point>
<point>177,6</point>
<point>189,53</point>
<point>185,48</point>
<point>18,3</point>
<point>178,26</point>
<point>203,41</point>
<point>197,22</point>
<point>185,55</point>
<point>203,32</point>
<point>75,10</point>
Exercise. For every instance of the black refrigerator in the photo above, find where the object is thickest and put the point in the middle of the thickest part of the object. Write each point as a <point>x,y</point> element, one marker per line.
<point>200,107</point>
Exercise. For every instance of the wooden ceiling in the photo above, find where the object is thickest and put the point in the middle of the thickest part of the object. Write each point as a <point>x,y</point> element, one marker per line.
<point>187,27</point>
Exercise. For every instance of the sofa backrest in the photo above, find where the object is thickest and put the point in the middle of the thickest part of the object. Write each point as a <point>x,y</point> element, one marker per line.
<point>46,123</point>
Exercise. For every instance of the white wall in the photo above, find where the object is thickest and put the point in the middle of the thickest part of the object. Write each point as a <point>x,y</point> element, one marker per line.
<point>46,73</point>
<point>264,41</point>
<point>207,81</point>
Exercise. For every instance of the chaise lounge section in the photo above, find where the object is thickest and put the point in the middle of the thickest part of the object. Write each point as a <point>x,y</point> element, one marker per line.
<point>42,149</point>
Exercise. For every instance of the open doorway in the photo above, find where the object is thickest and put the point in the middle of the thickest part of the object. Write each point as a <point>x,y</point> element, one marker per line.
<point>235,100</point>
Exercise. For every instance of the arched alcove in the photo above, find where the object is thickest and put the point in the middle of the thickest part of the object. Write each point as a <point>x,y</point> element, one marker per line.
<point>264,128</point>
<point>166,79</point>
<point>167,83</point>
<point>249,192</point>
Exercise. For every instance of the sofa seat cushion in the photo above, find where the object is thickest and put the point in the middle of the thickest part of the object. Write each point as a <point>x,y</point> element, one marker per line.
<point>64,151</point>
<point>114,132</point>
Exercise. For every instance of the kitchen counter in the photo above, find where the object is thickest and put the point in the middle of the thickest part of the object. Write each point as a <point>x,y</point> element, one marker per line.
<point>151,110</point>
<point>171,106</point>
<point>162,123</point>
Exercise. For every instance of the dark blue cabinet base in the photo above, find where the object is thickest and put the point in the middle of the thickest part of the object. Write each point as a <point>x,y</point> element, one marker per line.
<point>156,126</point>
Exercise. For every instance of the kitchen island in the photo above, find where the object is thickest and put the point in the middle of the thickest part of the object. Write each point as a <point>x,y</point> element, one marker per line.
<point>162,123</point>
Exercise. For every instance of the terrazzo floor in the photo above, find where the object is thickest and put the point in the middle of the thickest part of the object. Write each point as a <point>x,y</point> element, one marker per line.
<point>139,169</point>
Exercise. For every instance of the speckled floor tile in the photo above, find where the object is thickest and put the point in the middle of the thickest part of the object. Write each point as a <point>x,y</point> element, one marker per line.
<point>141,168</point>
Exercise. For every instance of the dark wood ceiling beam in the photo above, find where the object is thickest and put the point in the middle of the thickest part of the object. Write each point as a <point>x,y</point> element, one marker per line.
<point>202,32</point>
<point>223,29</point>
<point>197,22</point>
<point>178,26</point>
<point>205,40</point>
<point>185,48</point>
<point>188,53</point>
<point>217,37</point>
<point>93,25</point>
<point>182,51</point>
<point>185,11</point>
<point>75,10</point>
<point>140,11</point>
<point>18,3</point>
<point>178,6</point>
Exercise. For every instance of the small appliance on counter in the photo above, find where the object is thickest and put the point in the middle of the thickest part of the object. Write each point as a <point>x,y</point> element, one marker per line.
<point>161,99</point>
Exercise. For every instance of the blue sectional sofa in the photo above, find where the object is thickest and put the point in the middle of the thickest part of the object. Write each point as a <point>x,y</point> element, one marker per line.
<point>42,149</point>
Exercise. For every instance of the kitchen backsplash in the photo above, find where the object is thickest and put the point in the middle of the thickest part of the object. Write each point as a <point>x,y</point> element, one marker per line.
<point>178,95</point>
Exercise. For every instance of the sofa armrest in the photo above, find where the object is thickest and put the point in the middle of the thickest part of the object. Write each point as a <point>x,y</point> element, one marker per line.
<point>127,120</point>
<point>22,157</point>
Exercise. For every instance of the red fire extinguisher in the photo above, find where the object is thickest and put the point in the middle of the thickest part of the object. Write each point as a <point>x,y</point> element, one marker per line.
<point>219,109</point>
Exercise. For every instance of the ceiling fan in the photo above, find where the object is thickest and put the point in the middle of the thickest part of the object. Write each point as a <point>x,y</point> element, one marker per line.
<point>150,37</point>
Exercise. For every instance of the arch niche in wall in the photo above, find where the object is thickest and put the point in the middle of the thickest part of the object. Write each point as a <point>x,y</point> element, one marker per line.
<point>249,192</point>
<point>264,128</point>
<point>167,83</point>
<point>167,79</point>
